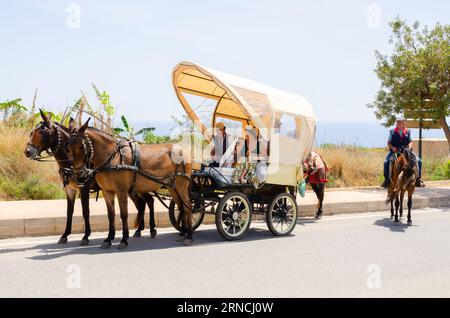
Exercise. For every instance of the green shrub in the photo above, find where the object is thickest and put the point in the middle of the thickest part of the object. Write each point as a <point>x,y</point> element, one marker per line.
<point>31,188</point>
<point>438,170</point>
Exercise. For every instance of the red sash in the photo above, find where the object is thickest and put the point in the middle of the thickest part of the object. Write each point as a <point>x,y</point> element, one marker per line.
<point>405,131</point>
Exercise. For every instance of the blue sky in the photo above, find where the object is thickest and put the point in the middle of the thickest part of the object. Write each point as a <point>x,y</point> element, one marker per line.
<point>323,50</point>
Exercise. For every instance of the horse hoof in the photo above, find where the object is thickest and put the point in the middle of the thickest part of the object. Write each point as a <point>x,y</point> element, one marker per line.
<point>122,246</point>
<point>410,223</point>
<point>188,242</point>
<point>396,221</point>
<point>153,234</point>
<point>137,234</point>
<point>106,245</point>
<point>62,240</point>
<point>84,242</point>
<point>180,238</point>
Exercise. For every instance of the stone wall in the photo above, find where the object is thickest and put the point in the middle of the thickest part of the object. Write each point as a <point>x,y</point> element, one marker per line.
<point>432,147</point>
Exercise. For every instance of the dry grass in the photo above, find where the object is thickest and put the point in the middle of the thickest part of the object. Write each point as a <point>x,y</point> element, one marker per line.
<point>21,178</point>
<point>352,166</point>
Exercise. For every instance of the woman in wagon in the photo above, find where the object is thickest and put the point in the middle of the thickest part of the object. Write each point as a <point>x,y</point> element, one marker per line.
<point>316,170</point>
<point>221,141</point>
<point>252,155</point>
<point>399,138</point>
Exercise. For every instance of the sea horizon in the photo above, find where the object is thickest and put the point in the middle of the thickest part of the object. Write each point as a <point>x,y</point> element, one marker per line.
<point>363,134</point>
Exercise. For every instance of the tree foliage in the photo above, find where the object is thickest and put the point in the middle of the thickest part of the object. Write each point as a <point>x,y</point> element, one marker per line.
<point>415,77</point>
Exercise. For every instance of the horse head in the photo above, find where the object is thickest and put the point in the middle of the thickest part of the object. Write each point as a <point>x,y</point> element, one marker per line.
<point>407,161</point>
<point>46,136</point>
<point>79,147</point>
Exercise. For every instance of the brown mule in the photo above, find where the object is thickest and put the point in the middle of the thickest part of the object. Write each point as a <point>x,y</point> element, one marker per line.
<point>51,137</point>
<point>111,162</point>
<point>404,175</point>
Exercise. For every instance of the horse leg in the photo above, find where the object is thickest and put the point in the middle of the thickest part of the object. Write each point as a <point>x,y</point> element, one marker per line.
<point>187,211</point>
<point>188,219</point>
<point>402,196</point>
<point>109,199</point>
<point>410,194</point>
<point>397,203</point>
<point>392,207</point>
<point>180,217</point>
<point>123,205</point>
<point>391,199</point>
<point>84,196</point>
<point>70,196</point>
<point>139,203</point>
<point>151,206</point>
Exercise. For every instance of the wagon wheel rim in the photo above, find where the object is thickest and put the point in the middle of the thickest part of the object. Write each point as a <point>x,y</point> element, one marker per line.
<point>235,216</point>
<point>283,214</point>
<point>195,216</point>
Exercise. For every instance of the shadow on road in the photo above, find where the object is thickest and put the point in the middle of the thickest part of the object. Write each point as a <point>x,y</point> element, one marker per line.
<point>389,223</point>
<point>203,237</point>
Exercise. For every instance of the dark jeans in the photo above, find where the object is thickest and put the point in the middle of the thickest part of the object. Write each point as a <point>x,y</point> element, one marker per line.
<point>388,160</point>
<point>319,190</point>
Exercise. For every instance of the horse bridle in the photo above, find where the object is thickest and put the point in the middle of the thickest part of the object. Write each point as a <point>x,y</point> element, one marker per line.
<point>87,173</point>
<point>50,153</point>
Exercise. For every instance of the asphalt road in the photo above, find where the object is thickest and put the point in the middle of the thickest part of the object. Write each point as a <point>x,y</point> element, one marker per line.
<point>357,255</point>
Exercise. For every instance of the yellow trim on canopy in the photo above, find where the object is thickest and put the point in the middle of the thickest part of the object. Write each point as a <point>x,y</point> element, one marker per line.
<point>193,79</point>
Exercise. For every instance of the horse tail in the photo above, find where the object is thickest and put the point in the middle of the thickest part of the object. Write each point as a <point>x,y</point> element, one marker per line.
<point>182,157</point>
<point>390,197</point>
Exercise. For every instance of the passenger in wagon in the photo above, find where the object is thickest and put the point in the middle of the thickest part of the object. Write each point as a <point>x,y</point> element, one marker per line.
<point>221,141</point>
<point>252,153</point>
<point>256,146</point>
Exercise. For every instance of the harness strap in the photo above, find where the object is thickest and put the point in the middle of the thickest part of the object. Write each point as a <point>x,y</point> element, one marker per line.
<point>136,162</point>
<point>135,154</point>
<point>161,200</point>
<point>67,175</point>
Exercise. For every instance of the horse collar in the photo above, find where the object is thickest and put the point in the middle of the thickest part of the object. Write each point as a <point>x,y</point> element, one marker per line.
<point>88,150</point>
<point>59,141</point>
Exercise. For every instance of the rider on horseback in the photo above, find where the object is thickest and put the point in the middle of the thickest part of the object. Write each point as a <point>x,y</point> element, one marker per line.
<point>399,139</point>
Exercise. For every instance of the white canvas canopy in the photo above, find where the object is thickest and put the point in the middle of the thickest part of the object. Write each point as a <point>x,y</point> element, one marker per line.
<point>286,120</point>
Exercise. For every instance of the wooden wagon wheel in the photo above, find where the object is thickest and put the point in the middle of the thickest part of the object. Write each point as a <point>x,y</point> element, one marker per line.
<point>174,216</point>
<point>281,217</point>
<point>233,215</point>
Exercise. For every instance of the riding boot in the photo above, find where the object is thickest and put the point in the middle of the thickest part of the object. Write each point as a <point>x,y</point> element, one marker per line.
<point>386,183</point>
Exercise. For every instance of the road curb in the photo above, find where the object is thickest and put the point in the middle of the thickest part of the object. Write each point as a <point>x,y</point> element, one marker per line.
<point>10,228</point>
